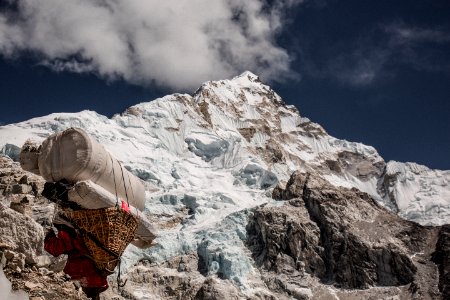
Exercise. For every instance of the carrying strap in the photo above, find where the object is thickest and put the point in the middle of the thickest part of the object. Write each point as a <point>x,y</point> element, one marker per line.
<point>114,177</point>
<point>124,184</point>
<point>123,181</point>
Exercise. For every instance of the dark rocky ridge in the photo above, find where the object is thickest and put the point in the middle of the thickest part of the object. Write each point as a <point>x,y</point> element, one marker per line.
<point>345,238</point>
<point>442,257</point>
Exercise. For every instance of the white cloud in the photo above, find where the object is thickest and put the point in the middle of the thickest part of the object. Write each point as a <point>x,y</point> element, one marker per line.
<point>174,43</point>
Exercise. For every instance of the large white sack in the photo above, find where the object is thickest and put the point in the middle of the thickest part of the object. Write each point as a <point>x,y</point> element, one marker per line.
<point>75,156</point>
<point>92,196</point>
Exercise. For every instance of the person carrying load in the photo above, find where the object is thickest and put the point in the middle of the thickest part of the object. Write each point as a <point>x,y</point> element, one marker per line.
<point>79,265</point>
<point>93,225</point>
<point>94,240</point>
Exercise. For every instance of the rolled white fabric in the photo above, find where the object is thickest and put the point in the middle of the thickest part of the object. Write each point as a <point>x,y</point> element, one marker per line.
<point>92,196</point>
<point>75,156</point>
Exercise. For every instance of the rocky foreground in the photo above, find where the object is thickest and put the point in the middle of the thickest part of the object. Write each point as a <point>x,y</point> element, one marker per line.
<point>317,242</point>
<point>23,215</point>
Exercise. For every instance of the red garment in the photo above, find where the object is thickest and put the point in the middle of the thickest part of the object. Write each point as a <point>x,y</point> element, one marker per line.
<point>125,206</point>
<point>78,265</point>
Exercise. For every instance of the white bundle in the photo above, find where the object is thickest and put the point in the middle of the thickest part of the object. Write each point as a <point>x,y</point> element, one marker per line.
<point>75,156</point>
<point>92,196</point>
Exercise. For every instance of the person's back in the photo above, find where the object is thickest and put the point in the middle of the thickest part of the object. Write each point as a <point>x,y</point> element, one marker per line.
<point>79,266</point>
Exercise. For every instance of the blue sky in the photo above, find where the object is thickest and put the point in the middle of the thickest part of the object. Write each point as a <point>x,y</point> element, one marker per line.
<point>376,72</point>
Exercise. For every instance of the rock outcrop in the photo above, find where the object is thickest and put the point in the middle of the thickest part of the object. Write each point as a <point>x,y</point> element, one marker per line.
<point>343,237</point>
<point>20,234</point>
<point>23,211</point>
<point>178,278</point>
<point>442,258</point>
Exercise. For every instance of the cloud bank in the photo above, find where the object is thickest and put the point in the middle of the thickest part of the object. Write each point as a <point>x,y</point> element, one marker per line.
<point>173,43</point>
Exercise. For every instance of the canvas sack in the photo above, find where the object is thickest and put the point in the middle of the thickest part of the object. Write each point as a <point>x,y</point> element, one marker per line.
<point>92,196</point>
<point>75,156</point>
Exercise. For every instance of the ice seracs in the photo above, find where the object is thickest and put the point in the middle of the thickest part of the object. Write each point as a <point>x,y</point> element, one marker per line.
<point>418,193</point>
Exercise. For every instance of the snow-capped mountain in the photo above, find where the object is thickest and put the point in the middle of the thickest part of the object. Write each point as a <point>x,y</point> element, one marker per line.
<point>236,138</point>
<point>211,157</point>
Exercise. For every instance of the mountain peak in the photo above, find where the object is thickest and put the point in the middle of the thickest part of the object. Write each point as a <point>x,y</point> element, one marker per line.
<point>243,89</point>
<point>247,75</point>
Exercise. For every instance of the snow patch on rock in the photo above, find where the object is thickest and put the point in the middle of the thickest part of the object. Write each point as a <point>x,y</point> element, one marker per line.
<point>6,292</point>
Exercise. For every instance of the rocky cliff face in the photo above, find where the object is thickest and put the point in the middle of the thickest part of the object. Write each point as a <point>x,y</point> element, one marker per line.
<point>211,163</point>
<point>442,257</point>
<point>344,238</point>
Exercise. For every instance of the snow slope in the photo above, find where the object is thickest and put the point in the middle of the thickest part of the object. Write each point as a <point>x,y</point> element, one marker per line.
<point>418,193</point>
<point>215,154</point>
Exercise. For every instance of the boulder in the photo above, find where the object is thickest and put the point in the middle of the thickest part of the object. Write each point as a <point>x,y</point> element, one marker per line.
<point>21,233</point>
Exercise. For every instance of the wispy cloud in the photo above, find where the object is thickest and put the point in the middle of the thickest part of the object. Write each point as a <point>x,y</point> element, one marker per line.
<point>173,43</point>
<point>402,34</point>
<point>377,54</point>
<point>360,66</point>
<point>423,49</point>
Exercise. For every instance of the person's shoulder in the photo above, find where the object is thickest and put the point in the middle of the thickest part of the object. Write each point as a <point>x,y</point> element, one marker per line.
<point>66,234</point>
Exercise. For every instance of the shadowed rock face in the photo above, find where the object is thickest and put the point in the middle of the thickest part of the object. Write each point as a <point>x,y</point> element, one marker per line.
<point>341,236</point>
<point>294,188</point>
<point>442,257</point>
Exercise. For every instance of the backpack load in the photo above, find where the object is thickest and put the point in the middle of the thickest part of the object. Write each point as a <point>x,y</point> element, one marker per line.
<point>106,233</point>
<point>73,155</point>
<point>83,192</point>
